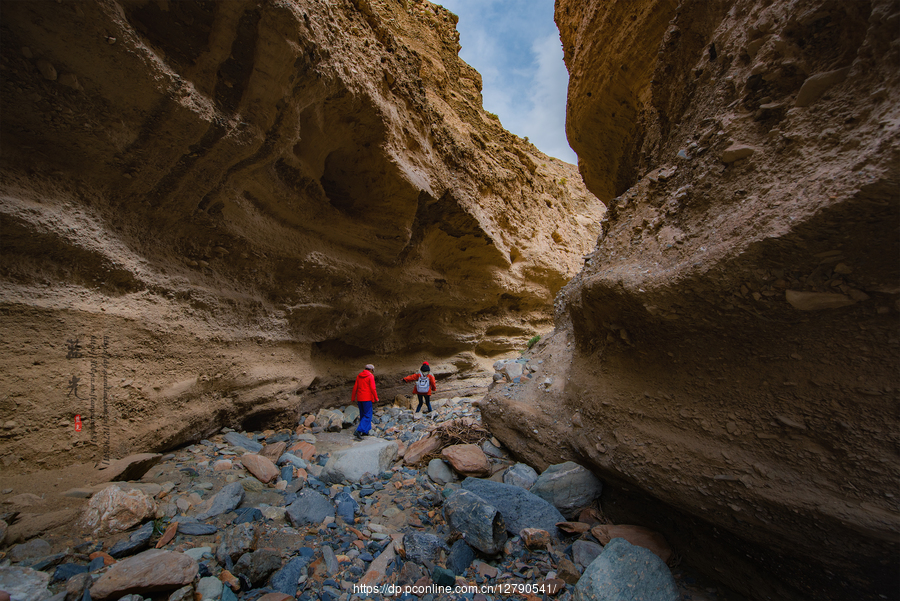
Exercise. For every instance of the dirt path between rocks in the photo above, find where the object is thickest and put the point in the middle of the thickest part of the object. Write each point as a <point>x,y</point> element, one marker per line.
<point>318,558</point>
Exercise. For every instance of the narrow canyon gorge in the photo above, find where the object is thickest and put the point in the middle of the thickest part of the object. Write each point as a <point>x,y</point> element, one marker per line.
<point>214,214</point>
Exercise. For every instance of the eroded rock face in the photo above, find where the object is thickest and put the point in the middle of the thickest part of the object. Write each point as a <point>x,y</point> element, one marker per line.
<point>682,364</point>
<point>229,201</point>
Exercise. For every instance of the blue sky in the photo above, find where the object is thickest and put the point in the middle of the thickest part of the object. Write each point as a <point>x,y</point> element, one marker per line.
<point>515,46</point>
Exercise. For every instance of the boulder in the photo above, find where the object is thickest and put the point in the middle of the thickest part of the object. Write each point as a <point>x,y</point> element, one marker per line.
<point>816,85</point>
<point>306,450</point>
<point>138,541</point>
<point>235,542</point>
<point>209,589</point>
<point>468,459</point>
<point>346,506</point>
<point>480,523</point>
<point>520,475</point>
<point>285,579</point>
<point>372,456</point>
<point>439,472</point>
<point>224,501</point>
<point>310,507</point>
<point>422,547</point>
<point>460,557</point>
<point>330,420</point>
<point>36,547</point>
<point>115,510</point>
<point>239,440</point>
<point>377,571</point>
<point>261,467</point>
<point>623,572</point>
<point>519,508</point>
<point>817,301</point>
<point>24,584</point>
<point>636,535</point>
<point>351,414</point>
<point>535,538</point>
<point>152,571</point>
<point>30,525</point>
<point>258,565</point>
<point>132,467</point>
<point>585,552</point>
<point>421,449</point>
<point>273,451</point>
<point>568,487</point>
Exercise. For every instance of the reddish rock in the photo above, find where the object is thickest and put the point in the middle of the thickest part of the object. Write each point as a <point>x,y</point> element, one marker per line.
<point>276,597</point>
<point>468,459</point>
<point>535,538</point>
<point>273,451</point>
<point>230,580</point>
<point>261,467</point>
<point>168,535</point>
<point>304,449</point>
<point>108,559</point>
<point>421,448</point>
<point>378,568</point>
<point>637,536</point>
<point>222,465</point>
<point>148,572</point>
<point>310,420</point>
<point>568,571</point>
<point>573,527</point>
<point>554,586</point>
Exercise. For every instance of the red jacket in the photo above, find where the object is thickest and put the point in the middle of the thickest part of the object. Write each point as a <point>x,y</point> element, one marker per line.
<point>414,377</point>
<point>364,388</point>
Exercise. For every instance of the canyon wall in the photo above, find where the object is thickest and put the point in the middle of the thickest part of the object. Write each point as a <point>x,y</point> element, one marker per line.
<point>212,211</point>
<point>728,358</point>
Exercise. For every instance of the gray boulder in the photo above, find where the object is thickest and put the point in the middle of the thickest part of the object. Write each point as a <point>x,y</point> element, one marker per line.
<point>460,557</point>
<point>225,500</point>
<point>439,471</point>
<point>285,579</point>
<point>351,414</point>
<point>372,456</point>
<point>585,552</point>
<point>138,541</point>
<point>236,541</point>
<point>520,508</point>
<point>258,565</point>
<point>520,475</point>
<point>310,507</point>
<point>480,523</point>
<point>330,420</point>
<point>24,584</point>
<point>624,572</point>
<point>239,440</point>
<point>568,487</point>
<point>421,547</point>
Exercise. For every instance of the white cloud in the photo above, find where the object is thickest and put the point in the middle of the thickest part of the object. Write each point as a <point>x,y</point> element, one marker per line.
<point>515,46</point>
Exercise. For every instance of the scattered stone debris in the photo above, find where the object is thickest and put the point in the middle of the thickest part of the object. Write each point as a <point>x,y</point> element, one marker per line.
<point>312,514</point>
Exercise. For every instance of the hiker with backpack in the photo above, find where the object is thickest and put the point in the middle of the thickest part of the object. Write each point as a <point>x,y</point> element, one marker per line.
<point>424,385</point>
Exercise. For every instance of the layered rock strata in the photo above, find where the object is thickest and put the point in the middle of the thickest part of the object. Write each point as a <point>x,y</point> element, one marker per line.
<point>209,206</point>
<point>728,358</point>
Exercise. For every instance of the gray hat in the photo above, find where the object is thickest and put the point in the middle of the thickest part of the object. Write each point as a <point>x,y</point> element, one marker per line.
<point>370,367</point>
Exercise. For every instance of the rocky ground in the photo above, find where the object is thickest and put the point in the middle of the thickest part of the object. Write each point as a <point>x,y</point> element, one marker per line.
<point>311,513</point>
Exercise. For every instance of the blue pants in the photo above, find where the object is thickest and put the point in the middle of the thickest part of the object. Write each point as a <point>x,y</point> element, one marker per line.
<point>365,416</point>
<point>424,398</point>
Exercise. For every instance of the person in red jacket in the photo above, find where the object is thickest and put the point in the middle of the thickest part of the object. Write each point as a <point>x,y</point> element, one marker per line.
<point>424,385</point>
<point>364,394</point>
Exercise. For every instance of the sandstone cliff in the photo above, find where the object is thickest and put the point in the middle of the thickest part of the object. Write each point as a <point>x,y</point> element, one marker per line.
<point>208,207</point>
<point>728,358</point>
